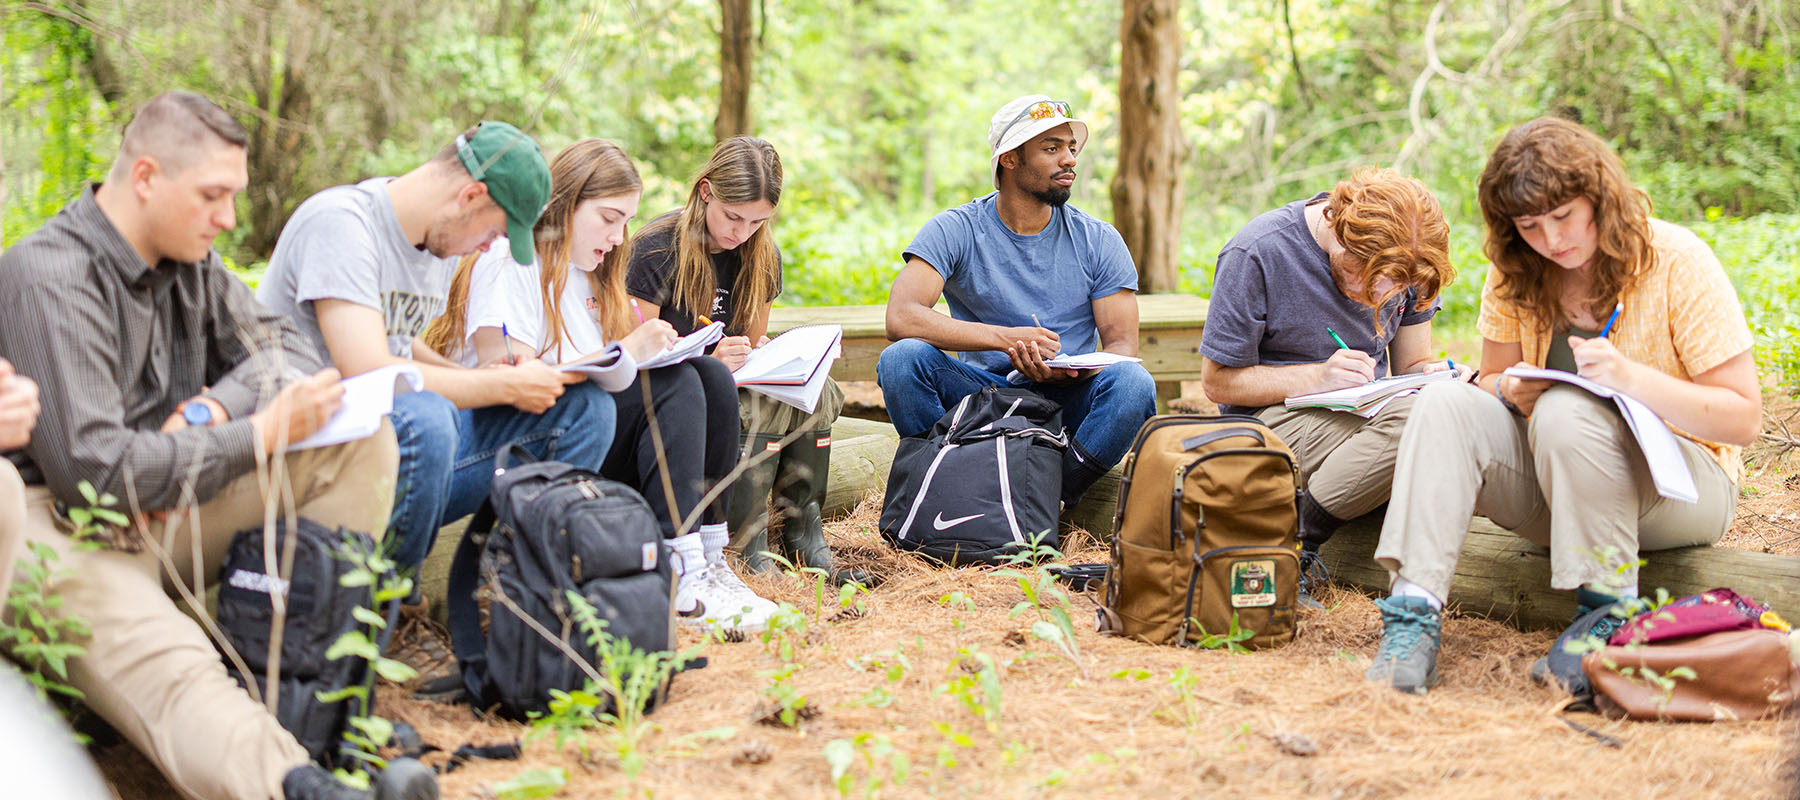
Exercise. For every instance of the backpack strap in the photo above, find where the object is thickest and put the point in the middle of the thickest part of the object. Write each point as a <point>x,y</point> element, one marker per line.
<point>465,617</point>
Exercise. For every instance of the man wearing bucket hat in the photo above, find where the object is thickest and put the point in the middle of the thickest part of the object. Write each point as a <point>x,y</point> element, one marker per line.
<point>363,269</point>
<point>1027,276</point>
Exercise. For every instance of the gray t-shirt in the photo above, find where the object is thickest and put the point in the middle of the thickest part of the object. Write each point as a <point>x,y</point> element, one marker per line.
<point>1273,298</point>
<point>345,243</point>
<point>997,277</point>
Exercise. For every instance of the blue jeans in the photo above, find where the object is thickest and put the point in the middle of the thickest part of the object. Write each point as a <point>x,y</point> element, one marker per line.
<point>447,455</point>
<point>920,382</point>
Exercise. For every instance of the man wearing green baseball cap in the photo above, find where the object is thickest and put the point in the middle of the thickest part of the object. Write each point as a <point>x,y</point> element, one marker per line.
<point>364,268</point>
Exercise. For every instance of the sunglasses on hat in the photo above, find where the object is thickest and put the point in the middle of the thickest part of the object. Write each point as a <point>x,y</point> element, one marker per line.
<point>1043,109</point>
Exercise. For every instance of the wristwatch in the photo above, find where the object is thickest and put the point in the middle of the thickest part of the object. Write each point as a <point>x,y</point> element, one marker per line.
<point>196,413</point>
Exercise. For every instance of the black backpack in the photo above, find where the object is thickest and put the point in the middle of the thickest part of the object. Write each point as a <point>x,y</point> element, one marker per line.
<point>982,483</point>
<point>561,528</point>
<point>319,611</point>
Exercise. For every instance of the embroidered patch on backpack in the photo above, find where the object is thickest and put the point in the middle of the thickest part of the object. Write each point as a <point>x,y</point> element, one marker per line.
<point>648,556</point>
<point>1252,583</point>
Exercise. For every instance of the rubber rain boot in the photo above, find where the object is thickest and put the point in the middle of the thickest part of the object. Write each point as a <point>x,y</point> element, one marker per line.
<point>800,486</point>
<point>748,516</point>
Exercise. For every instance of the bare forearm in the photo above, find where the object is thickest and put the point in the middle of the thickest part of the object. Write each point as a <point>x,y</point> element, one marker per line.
<point>1260,384</point>
<point>1714,413</point>
<point>940,330</point>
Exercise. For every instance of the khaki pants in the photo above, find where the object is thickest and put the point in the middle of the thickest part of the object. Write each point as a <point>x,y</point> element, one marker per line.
<point>760,413</point>
<point>1570,478</point>
<point>1347,461</point>
<point>12,521</point>
<point>150,670</point>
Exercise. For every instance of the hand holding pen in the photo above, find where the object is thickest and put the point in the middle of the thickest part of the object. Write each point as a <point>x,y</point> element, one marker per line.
<point>1346,367</point>
<point>1599,361</point>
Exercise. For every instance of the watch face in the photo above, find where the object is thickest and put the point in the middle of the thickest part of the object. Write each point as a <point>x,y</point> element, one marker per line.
<point>196,413</point>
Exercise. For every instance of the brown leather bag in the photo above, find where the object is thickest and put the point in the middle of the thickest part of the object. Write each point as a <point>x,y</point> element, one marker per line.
<point>1204,531</point>
<point>1742,675</point>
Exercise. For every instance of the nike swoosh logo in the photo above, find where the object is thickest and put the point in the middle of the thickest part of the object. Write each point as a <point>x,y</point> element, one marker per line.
<point>946,524</point>
<point>697,612</point>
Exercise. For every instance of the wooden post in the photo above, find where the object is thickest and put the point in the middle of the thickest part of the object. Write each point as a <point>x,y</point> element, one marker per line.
<point>1146,192</point>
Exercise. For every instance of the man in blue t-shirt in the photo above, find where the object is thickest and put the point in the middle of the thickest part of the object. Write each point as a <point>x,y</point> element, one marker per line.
<point>1364,262</point>
<point>1027,277</point>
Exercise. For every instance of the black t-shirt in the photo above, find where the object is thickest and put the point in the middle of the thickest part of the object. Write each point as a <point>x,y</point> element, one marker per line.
<point>651,276</point>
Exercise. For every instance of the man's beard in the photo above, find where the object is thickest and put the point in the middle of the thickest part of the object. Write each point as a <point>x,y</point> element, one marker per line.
<point>1054,196</point>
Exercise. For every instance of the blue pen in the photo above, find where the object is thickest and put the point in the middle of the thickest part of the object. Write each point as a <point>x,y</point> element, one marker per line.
<point>1612,319</point>
<point>508,339</point>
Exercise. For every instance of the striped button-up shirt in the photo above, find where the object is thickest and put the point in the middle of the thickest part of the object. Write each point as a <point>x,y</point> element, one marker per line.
<point>116,346</point>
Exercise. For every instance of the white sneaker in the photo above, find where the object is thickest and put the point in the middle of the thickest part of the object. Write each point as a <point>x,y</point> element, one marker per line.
<point>724,575</point>
<point>702,601</point>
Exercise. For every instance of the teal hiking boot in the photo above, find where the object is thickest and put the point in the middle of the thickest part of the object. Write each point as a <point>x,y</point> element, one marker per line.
<point>1410,632</point>
<point>1563,669</point>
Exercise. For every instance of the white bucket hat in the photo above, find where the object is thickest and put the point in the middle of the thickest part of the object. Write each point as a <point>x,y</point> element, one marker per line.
<point>1022,120</point>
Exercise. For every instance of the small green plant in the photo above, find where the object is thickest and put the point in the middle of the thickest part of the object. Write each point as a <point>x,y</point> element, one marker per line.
<point>790,706</point>
<point>532,783</point>
<point>785,632</point>
<point>974,681</point>
<point>870,749</point>
<point>1230,641</point>
<point>619,702</point>
<point>894,665</point>
<point>818,577</point>
<point>367,733</point>
<point>39,637</point>
<point>1031,568</point>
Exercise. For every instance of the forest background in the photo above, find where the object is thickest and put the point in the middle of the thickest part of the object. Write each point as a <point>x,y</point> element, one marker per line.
<point>880,108</point>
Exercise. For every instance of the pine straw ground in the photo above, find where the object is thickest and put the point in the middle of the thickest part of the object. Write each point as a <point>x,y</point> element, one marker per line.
<point>1487,731</point>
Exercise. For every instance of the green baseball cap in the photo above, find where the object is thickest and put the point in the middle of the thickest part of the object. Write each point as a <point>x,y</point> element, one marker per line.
<point>512,166</point>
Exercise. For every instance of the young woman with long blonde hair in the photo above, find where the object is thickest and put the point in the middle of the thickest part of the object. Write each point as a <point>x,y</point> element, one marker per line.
<point>716,257</point>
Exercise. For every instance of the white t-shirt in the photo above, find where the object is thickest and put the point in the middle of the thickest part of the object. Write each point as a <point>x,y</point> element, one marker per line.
<point>503,292</point>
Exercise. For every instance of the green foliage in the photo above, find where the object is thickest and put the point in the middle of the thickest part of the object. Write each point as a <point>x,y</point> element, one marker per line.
<point>788,701</point>
<point>35,632</point>
<point>1229,641</point>
<point>869,750</point>
<point>367,733</point>
<point>531,783</point>
<point>630,679</point>
<point>1031,568</point>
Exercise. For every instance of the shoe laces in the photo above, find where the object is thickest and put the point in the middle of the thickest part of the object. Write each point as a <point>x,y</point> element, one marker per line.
<point>1404,627</point>
<point>1312,569</point>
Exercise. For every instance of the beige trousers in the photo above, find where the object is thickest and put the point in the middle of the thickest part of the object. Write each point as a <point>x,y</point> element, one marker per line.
<point>1346,461</point>
<point>1570,478</point>
<point>760,413</point>
<point>150,670</point>
<point>12,522</point>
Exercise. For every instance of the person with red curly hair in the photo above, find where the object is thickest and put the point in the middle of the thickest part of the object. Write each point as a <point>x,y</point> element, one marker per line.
<point>1329,293</point>
<point>1584,280</point>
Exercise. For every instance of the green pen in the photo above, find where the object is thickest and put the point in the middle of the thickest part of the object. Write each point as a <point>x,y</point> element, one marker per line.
<point>1336,338</point>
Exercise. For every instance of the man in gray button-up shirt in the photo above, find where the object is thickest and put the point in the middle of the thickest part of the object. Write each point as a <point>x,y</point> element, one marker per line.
<point>165,384</point>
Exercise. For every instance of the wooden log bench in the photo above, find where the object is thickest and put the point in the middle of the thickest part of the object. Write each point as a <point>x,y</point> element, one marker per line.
<point>1499,575</point>
<point>1169,327</point>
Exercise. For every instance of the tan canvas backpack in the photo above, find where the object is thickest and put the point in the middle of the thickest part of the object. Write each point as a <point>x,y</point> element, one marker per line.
<point>1204,530</point>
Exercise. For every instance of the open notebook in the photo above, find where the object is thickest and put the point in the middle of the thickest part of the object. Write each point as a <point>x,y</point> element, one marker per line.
<point>1368,399</point>
<point>1663,454</point>
<point>794,366</point>
<point>686,347</point>
<point>367,398</point>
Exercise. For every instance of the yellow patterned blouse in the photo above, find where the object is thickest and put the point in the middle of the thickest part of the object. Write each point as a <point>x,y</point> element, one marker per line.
<point>1682,317</point>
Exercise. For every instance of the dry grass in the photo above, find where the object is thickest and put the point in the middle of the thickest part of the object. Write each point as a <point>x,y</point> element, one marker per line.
<point>1487,731</point>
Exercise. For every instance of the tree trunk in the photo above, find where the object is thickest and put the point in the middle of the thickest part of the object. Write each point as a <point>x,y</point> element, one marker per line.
<point>1146,193</point>
<point>734,70</point>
